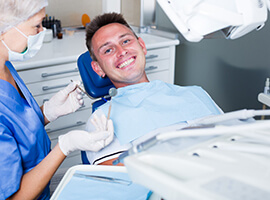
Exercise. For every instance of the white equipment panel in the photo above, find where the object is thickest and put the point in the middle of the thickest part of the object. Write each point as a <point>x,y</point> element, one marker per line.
<point>233,165</point>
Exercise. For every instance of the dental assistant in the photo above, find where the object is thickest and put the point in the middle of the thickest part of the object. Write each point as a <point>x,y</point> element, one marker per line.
<point>26,161</point>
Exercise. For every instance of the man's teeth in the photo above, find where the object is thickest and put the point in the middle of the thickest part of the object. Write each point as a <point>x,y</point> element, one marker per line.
<point>126,63</point>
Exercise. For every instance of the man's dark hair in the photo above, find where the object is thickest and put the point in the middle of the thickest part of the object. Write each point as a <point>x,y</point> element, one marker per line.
<point>100,21</point>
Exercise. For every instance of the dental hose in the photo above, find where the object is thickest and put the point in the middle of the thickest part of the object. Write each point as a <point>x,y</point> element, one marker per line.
<point>241,114</point>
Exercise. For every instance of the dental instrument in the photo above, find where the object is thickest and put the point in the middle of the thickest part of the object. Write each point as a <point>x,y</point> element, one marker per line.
<point>103,178</point>
<point>83,91</point>
<point>96,99</point>
<point>112,93</point>
<point>98,182</point>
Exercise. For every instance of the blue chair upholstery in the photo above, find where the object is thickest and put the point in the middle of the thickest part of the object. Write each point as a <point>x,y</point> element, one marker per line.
<point>95,86</point>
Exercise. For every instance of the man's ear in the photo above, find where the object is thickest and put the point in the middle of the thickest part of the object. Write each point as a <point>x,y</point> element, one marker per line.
<point>97,69</point>
<point>142,44</point>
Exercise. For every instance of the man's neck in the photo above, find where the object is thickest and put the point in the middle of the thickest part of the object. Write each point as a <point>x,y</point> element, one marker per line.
<point>120,84</point>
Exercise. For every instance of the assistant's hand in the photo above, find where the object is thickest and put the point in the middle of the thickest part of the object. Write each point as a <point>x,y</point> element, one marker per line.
<point>64,102</point>
<point>86,141</point>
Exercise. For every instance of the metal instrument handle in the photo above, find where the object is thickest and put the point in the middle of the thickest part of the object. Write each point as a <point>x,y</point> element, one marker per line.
<point>103,178</point>
<point>44,75</point>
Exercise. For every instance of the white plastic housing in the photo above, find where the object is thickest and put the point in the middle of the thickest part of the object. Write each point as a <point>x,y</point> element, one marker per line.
<point>197,18</point>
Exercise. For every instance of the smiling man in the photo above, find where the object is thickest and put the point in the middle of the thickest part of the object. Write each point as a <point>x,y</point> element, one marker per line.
<point>140,106</point>
<point>119,54</point>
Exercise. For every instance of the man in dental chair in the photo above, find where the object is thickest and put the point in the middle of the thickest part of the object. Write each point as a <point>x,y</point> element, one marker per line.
<point>140,106</point>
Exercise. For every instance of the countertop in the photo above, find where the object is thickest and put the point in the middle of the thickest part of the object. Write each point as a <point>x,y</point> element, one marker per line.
<point>68,49</point>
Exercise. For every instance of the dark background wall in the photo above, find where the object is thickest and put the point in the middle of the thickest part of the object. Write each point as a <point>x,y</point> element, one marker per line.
<point>233,72</point>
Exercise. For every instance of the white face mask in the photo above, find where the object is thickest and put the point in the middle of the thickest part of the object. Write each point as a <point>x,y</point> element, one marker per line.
<point>34,43</point>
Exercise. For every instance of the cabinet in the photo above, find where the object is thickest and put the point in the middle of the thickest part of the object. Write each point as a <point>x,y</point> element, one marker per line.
<point>55,66</point>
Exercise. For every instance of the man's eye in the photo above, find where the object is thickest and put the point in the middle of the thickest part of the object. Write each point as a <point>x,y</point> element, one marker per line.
<point>108,51</point>
<point>126,41</point>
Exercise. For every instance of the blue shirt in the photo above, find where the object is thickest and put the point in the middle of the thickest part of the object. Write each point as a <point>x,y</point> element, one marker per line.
<point>141,108</point>
<point>23,140</point>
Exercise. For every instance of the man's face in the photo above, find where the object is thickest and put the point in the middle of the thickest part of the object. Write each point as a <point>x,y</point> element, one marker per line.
<point>120,55</point>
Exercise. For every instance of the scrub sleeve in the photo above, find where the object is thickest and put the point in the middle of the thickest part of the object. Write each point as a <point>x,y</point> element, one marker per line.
<point>24,141</point>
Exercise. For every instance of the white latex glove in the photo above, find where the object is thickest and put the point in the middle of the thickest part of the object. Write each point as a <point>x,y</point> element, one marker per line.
<point>86,141</point>
<point>101,124</point>
<point>64,102</point>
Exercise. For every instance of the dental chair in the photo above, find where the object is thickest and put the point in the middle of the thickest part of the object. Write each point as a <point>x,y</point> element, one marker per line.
<point>96,86</point>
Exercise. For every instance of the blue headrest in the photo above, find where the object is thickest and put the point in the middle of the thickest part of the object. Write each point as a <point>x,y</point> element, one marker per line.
<point>94,85</point>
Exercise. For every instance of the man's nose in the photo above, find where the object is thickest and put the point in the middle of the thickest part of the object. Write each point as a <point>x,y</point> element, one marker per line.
<point>121,51</point>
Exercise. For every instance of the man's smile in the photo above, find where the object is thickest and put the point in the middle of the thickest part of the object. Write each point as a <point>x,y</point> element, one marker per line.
<point>126,63</point>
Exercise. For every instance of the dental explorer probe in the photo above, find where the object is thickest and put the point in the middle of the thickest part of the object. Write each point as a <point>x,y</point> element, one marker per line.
<point>96,99</point>
<point>112,93</point>
<point>83,90</point>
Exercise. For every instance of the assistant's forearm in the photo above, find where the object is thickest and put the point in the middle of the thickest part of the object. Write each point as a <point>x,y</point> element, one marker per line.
<point>46,121</point>
<point>35,181</point>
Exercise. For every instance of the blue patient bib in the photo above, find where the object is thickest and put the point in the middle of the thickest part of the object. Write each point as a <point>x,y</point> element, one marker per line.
<point>141,108</point>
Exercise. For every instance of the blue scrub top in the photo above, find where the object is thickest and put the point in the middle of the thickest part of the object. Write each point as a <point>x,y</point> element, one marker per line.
<point>23,139</point>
